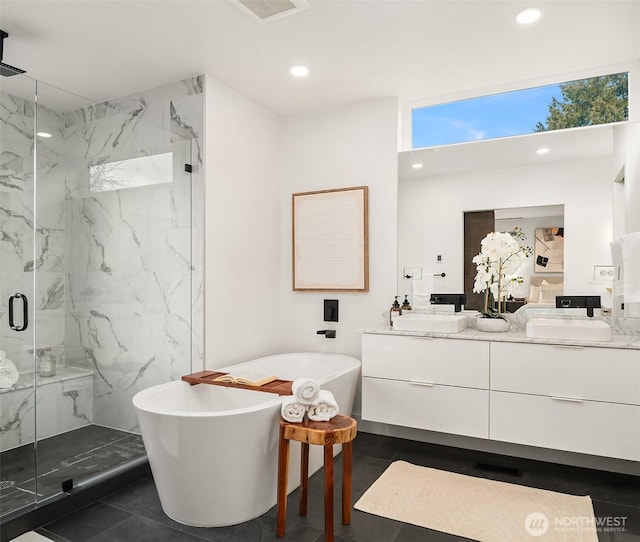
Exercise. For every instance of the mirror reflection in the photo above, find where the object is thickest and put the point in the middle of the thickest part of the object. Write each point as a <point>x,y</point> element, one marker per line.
<point>573,193</point>
<point>543,231</point>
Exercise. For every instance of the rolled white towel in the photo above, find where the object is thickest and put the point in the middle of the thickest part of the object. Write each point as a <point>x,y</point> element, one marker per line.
<point>306,390</point>
<point>326,408</point>
<point>291,410</point>
<point>8,373</point>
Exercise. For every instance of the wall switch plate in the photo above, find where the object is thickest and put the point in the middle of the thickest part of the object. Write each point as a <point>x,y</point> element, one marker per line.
<point>330,310</point>
<point>412,273</point>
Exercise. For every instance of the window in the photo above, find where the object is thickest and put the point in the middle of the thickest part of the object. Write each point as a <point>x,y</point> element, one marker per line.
<point>584,102</point>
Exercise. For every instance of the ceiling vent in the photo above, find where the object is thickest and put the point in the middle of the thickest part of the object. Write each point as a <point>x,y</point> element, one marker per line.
<point>269,10</point>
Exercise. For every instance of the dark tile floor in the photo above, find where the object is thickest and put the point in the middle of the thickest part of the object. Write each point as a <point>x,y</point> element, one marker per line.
<point>134,513</point>
<point>77,455</point>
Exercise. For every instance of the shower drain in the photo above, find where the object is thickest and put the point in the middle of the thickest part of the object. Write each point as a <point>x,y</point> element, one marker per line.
<point>6,484</point>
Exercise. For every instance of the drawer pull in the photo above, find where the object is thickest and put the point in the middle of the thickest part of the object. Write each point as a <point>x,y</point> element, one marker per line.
<point>568,346</point>
<point>419,383</point>
<point>567,399</point>
<point>423,338</point>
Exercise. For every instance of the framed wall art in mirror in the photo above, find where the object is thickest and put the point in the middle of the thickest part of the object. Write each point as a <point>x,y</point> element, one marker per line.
<point>330,240</point>
<point>549,250</point>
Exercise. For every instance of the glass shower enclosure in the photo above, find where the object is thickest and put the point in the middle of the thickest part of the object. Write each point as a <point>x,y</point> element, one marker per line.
<point>96,277</point>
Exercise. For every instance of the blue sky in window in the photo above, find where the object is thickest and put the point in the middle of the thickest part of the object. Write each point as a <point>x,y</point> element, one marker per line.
<point>488,117</point>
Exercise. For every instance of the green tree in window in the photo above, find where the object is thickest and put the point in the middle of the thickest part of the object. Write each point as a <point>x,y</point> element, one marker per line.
<point>597,100</point>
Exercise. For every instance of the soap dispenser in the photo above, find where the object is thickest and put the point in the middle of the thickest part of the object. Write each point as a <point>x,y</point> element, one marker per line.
<point>394,311</point>
<point>406,306</point>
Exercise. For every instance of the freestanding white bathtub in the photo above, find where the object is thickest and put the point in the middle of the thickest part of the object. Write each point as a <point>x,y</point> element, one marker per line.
<point>213,450</point>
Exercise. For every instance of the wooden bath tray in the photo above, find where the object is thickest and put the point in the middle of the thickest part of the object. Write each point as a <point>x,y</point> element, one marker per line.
<point>281,387</point>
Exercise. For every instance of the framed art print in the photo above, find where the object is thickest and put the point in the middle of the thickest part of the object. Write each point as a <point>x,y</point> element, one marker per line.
<point>330,240</point>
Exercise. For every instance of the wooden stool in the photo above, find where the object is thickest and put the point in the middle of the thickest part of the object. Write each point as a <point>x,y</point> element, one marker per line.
<point>338,430</point>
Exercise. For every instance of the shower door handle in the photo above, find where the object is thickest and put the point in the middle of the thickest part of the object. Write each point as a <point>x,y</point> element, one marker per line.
<point>25,312</point>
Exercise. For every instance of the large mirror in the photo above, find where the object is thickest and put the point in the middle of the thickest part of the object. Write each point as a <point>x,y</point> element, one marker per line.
<point>542,274</point>
<point>576,189</point>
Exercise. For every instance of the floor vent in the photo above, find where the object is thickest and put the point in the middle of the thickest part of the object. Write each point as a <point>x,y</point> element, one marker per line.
<point>509,471</point>
<point>268,10</point>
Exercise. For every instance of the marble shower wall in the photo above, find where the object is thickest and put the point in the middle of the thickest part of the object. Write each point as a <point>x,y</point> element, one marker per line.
<point>134,257</point>
<point>120,273</point>
<point>16,215</point>
<point>18,261</point>
<point>58,404</point>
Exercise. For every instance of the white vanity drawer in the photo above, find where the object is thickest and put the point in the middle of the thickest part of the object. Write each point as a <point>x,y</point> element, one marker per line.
<point>441,361</point>
<point>589,427</point>
<point>599,374</point>
<point>447,409</point>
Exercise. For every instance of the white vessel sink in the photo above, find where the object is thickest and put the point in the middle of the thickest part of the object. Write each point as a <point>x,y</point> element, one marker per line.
<point>577,330</point>
<point>439,323</point>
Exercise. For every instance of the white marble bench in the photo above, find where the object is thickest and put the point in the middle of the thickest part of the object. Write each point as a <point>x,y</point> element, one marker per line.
<point>64,402</point>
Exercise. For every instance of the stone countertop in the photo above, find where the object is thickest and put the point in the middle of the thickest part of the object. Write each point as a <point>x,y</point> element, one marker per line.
<point>617,341</point>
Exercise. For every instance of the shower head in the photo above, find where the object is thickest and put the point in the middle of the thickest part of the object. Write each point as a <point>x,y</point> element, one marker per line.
<point>6,70</point>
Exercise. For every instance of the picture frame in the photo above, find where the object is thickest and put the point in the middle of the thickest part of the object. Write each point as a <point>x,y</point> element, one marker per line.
<point>330,240</point>
<point>548,250</point>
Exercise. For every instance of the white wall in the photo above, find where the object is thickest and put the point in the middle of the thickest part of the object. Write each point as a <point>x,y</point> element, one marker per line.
<point>632,166</point>
<point>346,146</point>
<point>242,224</point>
<point>431,215</point>
<point>632,179</point>
<point>255,161</point>
<point>626,194</point>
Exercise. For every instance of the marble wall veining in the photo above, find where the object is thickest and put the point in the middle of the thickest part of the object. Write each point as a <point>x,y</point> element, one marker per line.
<point>19,259</point>
<point>16,212</point>
<point>119,273</point>
<point>58,404</point>
<point>134,260</point>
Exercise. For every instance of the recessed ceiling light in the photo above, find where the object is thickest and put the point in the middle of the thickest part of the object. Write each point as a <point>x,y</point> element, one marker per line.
<point>299,71</point>
<point>417,165</point>
<point>528,16</point>
<point>543,150</point>
<point>43,134</point>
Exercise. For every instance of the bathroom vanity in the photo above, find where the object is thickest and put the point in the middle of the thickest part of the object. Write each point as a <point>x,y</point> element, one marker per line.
<point>573,396</point>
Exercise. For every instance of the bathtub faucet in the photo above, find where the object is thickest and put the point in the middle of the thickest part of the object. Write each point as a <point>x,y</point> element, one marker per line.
<point>328,333</point>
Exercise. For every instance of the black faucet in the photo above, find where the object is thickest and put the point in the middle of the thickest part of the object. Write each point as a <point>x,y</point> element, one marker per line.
<point>328,333</point>
<point>588,302</point>
<point>449,299</point>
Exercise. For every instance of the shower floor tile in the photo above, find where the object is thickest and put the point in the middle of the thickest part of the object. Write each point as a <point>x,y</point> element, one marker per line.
<point>77,454</point>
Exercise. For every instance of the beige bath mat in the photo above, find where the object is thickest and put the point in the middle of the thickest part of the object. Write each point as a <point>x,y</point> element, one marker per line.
<point>476,508</point>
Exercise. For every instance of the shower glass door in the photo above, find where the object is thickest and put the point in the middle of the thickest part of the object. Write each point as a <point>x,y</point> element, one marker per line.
<point>113,264</point>
<point>17,330</point>
<point>97,266</point>
<point>64,393</point>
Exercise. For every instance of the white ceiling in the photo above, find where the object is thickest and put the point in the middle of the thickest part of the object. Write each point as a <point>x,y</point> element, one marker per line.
<point>509,152</point>
<point>356,49</point>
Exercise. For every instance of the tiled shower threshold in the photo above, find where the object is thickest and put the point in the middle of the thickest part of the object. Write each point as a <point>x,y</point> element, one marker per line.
<point>81,455</point>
